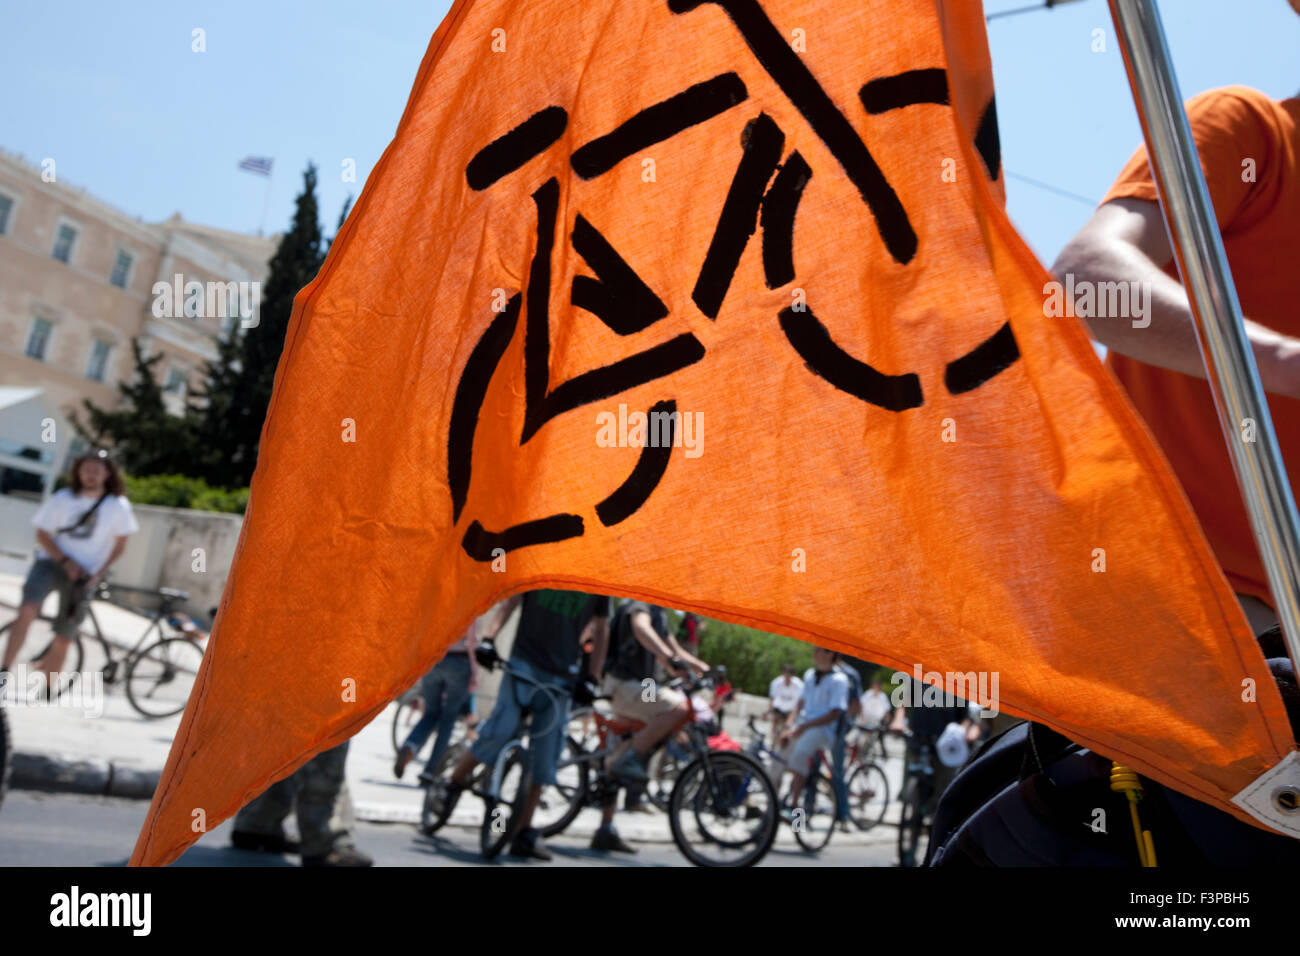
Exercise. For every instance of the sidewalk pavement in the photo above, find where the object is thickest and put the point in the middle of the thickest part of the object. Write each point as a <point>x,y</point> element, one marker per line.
<point>113,751</point>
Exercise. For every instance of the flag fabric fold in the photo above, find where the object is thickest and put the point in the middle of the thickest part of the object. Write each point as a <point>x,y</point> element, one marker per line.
<point>714,304</point>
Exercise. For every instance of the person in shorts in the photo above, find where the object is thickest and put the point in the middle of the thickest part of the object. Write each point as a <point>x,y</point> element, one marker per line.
<point>541,676</point>
<point>640,638</point>
<point>812,724</point>
<point>80,531</point>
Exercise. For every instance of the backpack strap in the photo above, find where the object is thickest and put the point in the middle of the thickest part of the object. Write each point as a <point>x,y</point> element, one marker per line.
<point>86,515</point>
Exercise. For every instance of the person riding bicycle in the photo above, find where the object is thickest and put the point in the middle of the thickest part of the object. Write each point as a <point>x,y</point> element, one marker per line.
<point>811,725</point>
<point>640,637</point>
<point>541,676</point>
<point>80,530</point>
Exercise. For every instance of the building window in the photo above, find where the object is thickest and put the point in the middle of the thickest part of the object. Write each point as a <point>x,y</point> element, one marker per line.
<point>63,243</point>
<point>175,384</point>
<point>38,341</point>
<point>6,212</point>
<point>122,268</point>
<point>99,351</point>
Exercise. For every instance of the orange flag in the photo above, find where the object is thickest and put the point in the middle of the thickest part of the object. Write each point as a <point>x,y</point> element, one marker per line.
<point>710,302</point>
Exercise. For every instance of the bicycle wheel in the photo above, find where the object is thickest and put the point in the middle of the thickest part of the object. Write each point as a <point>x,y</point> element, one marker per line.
<point>868,795</point>
<point>409,708</point>
<point>159,679</point>
<point>41,634</point>
<point>911,824</point>
<point>723,811</point>
<point>814,815</point>
<point>503,801</point>
<point>433,814</point>
<point>665,768</point>
<point>560,805</point>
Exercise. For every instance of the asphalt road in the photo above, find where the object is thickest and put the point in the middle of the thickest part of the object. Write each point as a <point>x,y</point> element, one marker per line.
<point>66,830</point>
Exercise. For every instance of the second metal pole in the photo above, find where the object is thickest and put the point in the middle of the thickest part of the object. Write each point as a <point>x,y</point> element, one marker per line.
<point>1229,361</point>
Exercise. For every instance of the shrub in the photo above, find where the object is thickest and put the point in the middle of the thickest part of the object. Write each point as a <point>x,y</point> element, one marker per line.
<point>182,491</point>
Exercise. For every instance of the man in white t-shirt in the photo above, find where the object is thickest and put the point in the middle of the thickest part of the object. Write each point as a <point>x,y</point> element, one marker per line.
<point>823,700</point>
<point>80,531</point>
<point>875,705</point>
<point>784,694</point>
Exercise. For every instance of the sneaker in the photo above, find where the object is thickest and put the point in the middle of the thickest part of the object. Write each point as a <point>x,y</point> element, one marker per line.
<point>606,839</point>
<point>404,756</point>
<point>630,766</point>
<point>339,856</point>
<point>528,845</point>
<point>263,842</point>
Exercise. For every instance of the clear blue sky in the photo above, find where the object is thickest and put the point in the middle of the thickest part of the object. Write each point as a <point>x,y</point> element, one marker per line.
<point>114,94</point>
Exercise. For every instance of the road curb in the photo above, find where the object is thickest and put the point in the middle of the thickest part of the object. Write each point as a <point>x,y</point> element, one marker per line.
<point>54,773</point>
<point>92,776</point>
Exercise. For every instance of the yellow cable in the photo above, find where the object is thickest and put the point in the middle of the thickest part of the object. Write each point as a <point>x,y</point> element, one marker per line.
<point>1125,781</point>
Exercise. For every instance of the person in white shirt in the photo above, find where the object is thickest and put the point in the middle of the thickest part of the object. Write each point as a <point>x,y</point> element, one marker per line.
<point>875,705</point>
<point>783,694</point>
<point>811,727</point>
<point>80,531</point>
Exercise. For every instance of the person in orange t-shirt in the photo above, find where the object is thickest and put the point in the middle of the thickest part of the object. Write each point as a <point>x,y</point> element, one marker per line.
<point>1249,147</point>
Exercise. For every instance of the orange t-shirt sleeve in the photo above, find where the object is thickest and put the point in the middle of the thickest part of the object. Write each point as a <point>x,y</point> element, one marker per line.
<point>1231,126</point>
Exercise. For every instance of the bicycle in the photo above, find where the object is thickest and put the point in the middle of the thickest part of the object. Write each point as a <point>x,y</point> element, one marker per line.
<point>721,806</point>
<point>865,780</point>
<point>158,675</point>
<point>918,797</point>
<point>722,799</point>
<point>504,788</point>
<point>812,812</point>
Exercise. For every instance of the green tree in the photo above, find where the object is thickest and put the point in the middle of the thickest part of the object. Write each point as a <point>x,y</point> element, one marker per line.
<point>248,383</point>
<point>146,438</point>
<point>752,657</point>
<point>214,417</point>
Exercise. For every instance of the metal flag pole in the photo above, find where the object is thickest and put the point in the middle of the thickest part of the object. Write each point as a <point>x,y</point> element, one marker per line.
<point>1198,249</point>
<point>266,203</point>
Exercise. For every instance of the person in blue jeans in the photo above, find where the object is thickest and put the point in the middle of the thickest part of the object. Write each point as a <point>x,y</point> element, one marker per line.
<point>544,671</point>
<point>445,690</point>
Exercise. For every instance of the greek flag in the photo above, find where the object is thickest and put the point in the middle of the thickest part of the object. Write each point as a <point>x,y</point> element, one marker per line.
<point>256,164</point>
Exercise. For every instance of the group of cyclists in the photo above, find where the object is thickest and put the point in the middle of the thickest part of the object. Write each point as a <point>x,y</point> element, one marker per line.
<point>574,648</point>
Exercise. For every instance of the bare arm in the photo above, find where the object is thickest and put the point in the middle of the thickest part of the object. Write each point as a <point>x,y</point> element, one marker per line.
<point>471,643</point>
<point>699,666</point>
<point>599,629</point>
<point>649,638</point>
<point>1125,240</point>
<point>502,615</point>
<point>46,541</point>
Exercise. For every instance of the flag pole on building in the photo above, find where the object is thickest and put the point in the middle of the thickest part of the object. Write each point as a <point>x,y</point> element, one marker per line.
<point>1229,361</point>
<point>262,166</point>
